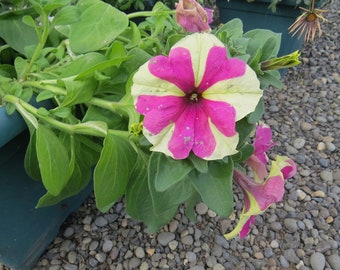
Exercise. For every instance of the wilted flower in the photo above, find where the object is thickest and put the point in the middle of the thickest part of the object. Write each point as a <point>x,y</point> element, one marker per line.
<point>192,99</point>
<point>260,193</point>
<point>308,23</point>
<point>192,16</point>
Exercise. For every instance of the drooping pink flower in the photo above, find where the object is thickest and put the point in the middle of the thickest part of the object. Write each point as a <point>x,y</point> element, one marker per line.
<point>193,17</point>
<point>192,99</point>
<point>262,190</point>
<point>259,196</point>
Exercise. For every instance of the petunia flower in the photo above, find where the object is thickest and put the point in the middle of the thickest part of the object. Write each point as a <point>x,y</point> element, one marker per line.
<point>193,17</point>
<point>259,196</point>
<point>192,99</point>
<point>261,192</point>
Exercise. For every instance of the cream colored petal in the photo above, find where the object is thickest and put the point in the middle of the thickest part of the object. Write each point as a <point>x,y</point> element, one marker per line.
<point>243,93</point>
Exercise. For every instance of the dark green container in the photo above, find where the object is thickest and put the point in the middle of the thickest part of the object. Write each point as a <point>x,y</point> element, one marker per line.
<point>256,14</point>
<point>25,232</point>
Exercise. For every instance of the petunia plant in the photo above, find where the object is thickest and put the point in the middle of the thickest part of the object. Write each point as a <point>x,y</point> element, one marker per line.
<point>162,110</point>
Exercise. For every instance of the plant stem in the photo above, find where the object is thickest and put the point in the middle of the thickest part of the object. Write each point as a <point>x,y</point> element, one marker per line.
<point>150,13</point>
<point>40,45</point>
<point>81,128</point>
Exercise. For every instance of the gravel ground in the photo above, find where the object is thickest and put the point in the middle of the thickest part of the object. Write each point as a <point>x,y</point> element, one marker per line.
<point>302,232</point>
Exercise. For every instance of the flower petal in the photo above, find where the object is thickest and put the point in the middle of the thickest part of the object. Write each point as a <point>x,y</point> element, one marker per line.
<point>219,68</point>
<point>243,93</point>
<point>177,68</point>
<point>222,116</point>
<point>258,197</point>
<point>159,111</point>
<point>183,137</point>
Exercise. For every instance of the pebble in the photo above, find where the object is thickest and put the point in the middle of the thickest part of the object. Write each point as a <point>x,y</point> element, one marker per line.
<point>326,176</point>
<point>139,252</point>
<point>100,221</point>
<point>334,261</point>
<point>317,261</point>
<point>291,225</point>
<point>190,256</point>
<point>306,126</point>
<point>165,237</point>
<point>69,231</point>
<point>107,246</point>
<point>299,143</point>
<point>201,208</point>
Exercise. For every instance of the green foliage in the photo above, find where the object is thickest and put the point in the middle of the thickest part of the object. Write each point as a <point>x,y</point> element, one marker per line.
<point>80,57</point>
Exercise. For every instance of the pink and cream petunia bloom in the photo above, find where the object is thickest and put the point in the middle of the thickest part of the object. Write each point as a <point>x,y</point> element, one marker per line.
<point>263,190</point>
<point>193,17</point>
<point>192,99</point>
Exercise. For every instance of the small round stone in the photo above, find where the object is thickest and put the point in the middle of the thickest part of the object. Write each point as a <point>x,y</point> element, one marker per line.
<point>326,176</point>
<point>201,208</point>
<point>100,221</point>
<point>165,237</point>
<point>107,246</point>
<point>69,231</point>
<point>317,261</point>
<point>139,252</point>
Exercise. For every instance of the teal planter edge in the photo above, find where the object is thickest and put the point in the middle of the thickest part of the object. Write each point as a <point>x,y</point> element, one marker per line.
<point>25,232</point>
<point>257,15</point>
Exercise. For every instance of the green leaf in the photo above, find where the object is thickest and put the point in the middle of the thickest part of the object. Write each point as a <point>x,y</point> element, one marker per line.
<point>54,4</point>
<point>138,198</point>
<point>31,160</point>
<point>200,164</point>
<point>112,171</point>
<point>67,15</point>
<point>20,65</point>
<point>44,95</point>
<point>256,115</point>
<point>102,66</point>
<point>53,160</point>
<point>166,172</point>
<point>78,91</point>
<point>244,128</point>
<point>244,153</point>
<point>171,198</point>
<point>215,187</point>
<point>28,20</point>
<point>82,64</point>
<point>79,179</point>
<point>191,203</point>
<point>99,25</point>
<point>17,34</point>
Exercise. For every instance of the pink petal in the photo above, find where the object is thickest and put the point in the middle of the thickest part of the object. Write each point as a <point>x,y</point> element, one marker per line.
<point>219,68</point>
<point>177,68</point>
<point>182,140</point>
<point>265,194</point>
<point>290,170</point>
<point>205,142</point>
<point>263,142</point>
<point>159,111</point>
<point>246,227</point>
<point>222,115</point>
